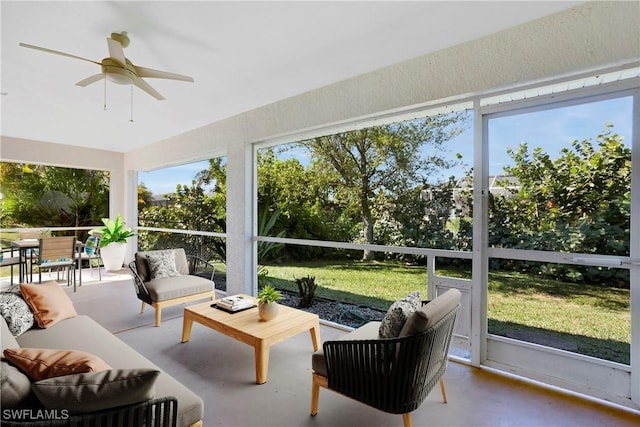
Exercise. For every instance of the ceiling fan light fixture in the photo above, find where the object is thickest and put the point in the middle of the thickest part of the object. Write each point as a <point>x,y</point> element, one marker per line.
<point>119,78</point>
<point>116,73</point>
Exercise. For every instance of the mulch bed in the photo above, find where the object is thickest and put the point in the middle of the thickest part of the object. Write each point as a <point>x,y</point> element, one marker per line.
<point>351,315</point>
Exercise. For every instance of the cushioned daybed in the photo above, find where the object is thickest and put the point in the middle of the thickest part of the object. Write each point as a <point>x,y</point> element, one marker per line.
<point>67,365</point>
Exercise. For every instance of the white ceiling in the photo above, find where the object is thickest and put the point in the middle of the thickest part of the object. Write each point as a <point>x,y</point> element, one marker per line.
<point>241,54</point>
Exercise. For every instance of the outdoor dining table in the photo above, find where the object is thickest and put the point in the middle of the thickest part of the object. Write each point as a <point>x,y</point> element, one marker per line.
<point>24,245</point>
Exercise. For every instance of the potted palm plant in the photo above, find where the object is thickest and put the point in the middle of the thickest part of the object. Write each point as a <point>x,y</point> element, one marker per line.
<point>113,242</point>
<point>267,305</point>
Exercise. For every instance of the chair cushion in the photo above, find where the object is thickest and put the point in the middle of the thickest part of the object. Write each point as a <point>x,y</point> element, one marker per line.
<point>162,264</point>
<point>431,313</point>
<point>43,363</point>
<point>96,391</point>
<point>368,331</point>
<point>398,313</point>
<point>16,313</point>
<point>90,246</point>
<point>174,287</point>
<point>49,303</point>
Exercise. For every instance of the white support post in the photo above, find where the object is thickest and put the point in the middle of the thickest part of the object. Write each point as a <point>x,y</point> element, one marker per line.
<point>239,220</point>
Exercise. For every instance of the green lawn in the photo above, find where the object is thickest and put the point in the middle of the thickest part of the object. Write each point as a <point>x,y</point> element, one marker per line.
<point>375,284</point>
<point>586,319</point>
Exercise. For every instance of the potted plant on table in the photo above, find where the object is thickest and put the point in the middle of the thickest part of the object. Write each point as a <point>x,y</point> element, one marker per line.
<point>267,305</point>
<point>113,242</point>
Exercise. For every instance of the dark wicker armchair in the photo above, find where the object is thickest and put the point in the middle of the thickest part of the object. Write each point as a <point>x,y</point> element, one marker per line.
<point>187,286</point>
<point>160,412</point>
<point>393,375</point>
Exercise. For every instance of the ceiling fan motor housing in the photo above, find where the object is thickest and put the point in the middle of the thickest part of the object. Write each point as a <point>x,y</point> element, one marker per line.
<point>117,73</point>
<point>121,38</point>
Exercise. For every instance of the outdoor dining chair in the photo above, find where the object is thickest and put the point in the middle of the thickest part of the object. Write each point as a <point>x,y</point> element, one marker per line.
<point>90,251</point>
<point>8,259</point>
<point>29,256</point>
<point>56,253</point>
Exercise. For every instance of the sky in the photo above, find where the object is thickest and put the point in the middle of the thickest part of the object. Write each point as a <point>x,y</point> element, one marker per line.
<point>164,181</point>
<point>549,129</point>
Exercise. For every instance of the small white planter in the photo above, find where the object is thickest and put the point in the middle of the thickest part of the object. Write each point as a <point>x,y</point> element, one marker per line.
<point>113,256</point>
<point>267,311</point>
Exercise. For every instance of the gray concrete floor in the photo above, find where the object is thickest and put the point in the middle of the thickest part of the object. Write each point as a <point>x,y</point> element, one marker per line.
<point>221,371</point>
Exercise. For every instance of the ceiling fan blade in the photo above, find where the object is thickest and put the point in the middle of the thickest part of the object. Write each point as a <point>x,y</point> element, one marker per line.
<point>115,51</point>
<point>44,49</point>
<point>147,88</point>
<point>148,72</point>
<point>90,79</point>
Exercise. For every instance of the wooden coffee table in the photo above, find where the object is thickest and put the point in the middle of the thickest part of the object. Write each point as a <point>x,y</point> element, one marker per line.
<point>246,326</point>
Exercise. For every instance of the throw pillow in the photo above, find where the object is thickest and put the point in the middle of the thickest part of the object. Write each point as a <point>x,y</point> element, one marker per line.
<point>15,387</point>
<point>7,340</point>
<point>96,391</point>
<point>16,313</point>
<point>162,264</point>
<point>397,314</point>
<point>49,303</point>
<point>42,363</point>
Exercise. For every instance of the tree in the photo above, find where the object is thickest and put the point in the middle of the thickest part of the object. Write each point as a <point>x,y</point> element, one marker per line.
<point>200,206</point>
<point>431,216</point>
<point>40,195</point>
<point>376,161</point>
<point>145,197</point>
<point>302,197</point>
<point>578,202</point>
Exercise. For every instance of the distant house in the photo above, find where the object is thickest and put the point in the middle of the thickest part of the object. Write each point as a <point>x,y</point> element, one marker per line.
<point>160,200</point>
<point>504,185</point>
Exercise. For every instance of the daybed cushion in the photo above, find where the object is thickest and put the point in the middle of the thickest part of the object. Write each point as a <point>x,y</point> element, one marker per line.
<point>171,287</point>
<point>142,265</point>
<point>16,312</point>
<point>85,334</point>
<point>431,313</point>
<point>43,363</point>
<point>96,391</point>
<point>15,387</point>
<point>49,303</point>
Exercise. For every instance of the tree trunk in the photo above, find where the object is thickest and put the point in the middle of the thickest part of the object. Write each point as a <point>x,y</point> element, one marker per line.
<point>367,228</point>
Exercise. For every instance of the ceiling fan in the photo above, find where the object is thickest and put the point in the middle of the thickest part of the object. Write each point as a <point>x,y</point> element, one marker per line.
<point>118,68</point>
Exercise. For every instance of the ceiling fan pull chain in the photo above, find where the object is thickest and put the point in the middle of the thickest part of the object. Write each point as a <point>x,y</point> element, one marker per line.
<point>105,93</point>
<point>131,118</point>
